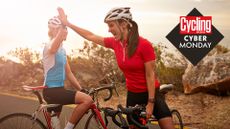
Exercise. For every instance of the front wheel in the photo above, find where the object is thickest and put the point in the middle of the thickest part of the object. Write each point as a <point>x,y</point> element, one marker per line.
<point>93,122</point>
<point>20,121</point>
<point>177,120</point>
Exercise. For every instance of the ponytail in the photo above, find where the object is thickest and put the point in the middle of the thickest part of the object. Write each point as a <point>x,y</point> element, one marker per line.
<point>133,38</point>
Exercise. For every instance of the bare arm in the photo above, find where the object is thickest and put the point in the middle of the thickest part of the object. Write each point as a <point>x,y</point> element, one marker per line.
<point>82,32</point>
<point>87,34</point>
<point>57,40</point>
<point>71,77</point>
<point>150,79</point>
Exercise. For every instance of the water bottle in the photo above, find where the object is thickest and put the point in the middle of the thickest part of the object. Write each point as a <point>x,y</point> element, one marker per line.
<point>55,122</point>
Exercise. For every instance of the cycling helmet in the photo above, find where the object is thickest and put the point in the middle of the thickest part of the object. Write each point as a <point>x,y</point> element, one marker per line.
<point>118,13</point>
<point>54,22</point>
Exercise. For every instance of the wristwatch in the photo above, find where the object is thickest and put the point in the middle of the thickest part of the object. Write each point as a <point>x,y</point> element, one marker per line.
<point>151,100</point>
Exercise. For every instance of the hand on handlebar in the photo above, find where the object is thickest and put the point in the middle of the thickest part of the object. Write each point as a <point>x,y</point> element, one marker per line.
<point>130,111</point>
<point>83,90</point>
<point>149,110</point>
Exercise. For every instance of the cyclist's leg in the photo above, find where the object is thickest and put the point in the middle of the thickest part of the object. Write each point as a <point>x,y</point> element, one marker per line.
<point>50,96</point>
<point>162,112</point>
<point>166,123</point>
<point>132,100</point>
<point>64,97</point>
<point>84,102</point>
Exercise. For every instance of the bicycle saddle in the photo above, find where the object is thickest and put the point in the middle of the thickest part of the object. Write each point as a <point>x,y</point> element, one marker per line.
<point>164,88</point>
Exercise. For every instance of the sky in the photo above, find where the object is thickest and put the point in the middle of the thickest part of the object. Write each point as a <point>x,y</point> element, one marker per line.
<point>24,22</point>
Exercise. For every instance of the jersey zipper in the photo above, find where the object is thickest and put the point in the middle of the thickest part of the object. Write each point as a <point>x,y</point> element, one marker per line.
<point>123,48</point>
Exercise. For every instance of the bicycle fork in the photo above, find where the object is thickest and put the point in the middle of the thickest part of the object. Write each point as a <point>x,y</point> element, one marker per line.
<point>98,116</point>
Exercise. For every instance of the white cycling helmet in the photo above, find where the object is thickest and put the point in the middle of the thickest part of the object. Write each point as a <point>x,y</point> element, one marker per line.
<point>54,22</point>
<point>118,13</point>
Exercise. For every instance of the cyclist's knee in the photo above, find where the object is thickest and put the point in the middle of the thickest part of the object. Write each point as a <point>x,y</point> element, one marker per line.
<point>82,98</point>
<point>166,123</point>
<point>88,100</point>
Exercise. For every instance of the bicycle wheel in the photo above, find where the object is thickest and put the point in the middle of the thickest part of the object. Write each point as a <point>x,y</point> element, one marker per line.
<point>20,121</point>
<point>93,122</point>
<point>177,120</point>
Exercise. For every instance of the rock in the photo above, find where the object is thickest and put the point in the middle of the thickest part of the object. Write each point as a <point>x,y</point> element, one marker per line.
<point>212,74</point>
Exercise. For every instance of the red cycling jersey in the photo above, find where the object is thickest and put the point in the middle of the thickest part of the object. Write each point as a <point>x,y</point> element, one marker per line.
<point>133,68</point>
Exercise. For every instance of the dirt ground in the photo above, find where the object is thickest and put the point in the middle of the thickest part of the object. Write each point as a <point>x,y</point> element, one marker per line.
<point>198,111</point>
<point>201,110</point>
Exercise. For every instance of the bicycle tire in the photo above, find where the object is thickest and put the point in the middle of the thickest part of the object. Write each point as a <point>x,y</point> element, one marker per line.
<point>177,119</point>
<point>93,122</point>
<point>20,121</point>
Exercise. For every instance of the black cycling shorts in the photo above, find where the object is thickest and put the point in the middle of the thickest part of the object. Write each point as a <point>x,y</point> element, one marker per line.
<point>161,109</point>
<point>58,95</point>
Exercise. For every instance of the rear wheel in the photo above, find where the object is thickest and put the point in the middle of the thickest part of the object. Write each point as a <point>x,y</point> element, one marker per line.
<point>177,120</point>
<point>20,121</point>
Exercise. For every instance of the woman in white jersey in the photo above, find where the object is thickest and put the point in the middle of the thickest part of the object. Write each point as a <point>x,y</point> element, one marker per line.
<point>57,70</point>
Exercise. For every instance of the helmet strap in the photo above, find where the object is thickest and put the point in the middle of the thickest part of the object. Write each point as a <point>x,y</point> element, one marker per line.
<point>130,24</point>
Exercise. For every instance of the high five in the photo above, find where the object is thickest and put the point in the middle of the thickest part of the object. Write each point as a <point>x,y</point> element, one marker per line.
<point>135,57</point>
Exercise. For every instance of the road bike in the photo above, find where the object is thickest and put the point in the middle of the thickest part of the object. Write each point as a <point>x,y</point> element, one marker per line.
<point>118,116</point>
<point>28,121</point>
<point>31,121</point>
<point>99,118</point>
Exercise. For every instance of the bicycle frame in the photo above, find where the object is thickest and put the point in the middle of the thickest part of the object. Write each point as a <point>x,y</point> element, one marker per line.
<point>95,107</point>
<point>42,107</point>
<point>164,89</point>
<point>47,118</point>
<point>95,110</point>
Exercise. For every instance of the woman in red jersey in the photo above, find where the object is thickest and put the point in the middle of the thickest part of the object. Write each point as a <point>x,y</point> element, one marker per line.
<point>135,57</point>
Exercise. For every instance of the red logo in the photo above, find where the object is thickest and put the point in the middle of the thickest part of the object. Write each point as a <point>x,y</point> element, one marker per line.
<point>195,24</point>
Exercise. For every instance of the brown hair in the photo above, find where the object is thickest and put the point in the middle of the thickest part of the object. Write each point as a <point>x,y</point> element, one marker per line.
<point>133,36</point>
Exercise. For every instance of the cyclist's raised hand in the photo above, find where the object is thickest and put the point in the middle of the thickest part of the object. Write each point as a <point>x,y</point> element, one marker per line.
<point>62,16</point>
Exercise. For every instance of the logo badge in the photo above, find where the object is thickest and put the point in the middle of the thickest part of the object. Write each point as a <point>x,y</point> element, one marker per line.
<point>195,36</point>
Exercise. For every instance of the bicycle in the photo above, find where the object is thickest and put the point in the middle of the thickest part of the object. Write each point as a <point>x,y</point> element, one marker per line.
<point>28,121</point>
<point>117,116</point>
<point>95,120</point>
